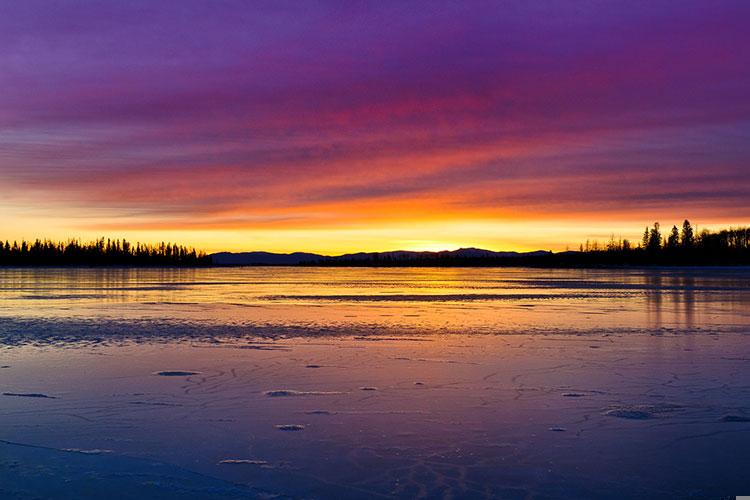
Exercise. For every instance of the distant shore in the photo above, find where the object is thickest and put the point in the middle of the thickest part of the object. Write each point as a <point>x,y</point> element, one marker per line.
<point>680,248</point>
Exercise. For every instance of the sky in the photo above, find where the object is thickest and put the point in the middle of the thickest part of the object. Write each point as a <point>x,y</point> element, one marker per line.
<point>343,126</point>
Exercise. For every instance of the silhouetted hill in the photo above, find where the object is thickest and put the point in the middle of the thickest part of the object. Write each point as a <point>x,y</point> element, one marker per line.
<point>263,258</point>
<point>397,257</point>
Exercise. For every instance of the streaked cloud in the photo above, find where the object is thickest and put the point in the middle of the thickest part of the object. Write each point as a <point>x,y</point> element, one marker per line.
<point>238,120</point>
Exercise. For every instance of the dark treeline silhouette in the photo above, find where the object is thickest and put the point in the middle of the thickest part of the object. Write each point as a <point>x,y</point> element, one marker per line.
<point>100,252</point>
<point>682,246</point>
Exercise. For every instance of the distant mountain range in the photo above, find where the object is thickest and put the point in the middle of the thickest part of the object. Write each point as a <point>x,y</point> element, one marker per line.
<point>403,256</point>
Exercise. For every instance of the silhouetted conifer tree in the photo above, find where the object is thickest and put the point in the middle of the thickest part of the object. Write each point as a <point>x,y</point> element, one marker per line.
<point>674,238</point>
<point>654,239</point>
<point>686,237</point>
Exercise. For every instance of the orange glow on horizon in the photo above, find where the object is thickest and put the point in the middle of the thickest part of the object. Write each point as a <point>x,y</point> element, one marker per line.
<point>382,232</point>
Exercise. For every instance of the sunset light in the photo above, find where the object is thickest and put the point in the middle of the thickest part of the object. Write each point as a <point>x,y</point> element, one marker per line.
<point>354,250</point>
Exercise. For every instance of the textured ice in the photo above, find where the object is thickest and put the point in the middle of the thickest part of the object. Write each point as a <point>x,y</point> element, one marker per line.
<point>263,347</point>
<point>154,403</point>
<point>735,418</point>
<point>640,411</point>
<point>93,451</point>
<point>29,471</point>
<point>290,427</point>
<point>242,461</point>
<point>29,395</point>
<point>281,393</point>
<point>629,413</point>
<point>464,297</point>
<point>518,405</point>
<point>176,373</point>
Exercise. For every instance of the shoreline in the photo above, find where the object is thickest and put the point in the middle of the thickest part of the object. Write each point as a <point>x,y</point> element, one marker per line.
<point>394,265</point>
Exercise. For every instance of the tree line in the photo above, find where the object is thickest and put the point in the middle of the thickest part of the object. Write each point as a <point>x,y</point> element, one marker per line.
<point>99,252</point>
<point>679,246</point>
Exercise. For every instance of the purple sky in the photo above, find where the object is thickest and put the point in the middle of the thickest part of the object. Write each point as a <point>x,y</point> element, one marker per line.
<point>338,125</point>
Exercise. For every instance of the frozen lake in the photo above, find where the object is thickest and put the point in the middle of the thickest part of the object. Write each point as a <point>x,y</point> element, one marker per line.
<point>372,383</point>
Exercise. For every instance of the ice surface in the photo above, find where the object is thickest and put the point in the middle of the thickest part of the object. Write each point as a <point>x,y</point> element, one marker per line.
<point>480,395</point>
